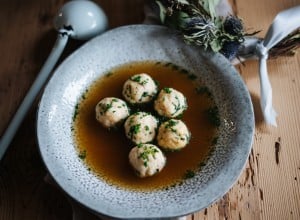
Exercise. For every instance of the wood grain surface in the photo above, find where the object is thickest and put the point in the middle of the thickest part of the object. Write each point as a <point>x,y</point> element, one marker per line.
<point>268,187</point>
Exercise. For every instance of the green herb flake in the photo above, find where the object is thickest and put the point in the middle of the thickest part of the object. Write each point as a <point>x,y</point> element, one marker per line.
<point>136,78</point>
<point>106,107</point>
<point>168,64</point>
<point>82,154</point>
<point>213,116</point>
<point>184,71</point>
<point>167,90</point>
<point>175,67</point>
<point>171,123</point>
<point>108,74</point>
<point>214,141</point>
<point>146,153</point>
<point>202,164</point>
<point>76,111</point>
<point>134,129</point>
<point>203,90</point>
<point>145,94</point>
<point>177,106</point>
<point>192,76</point>
<point>189,174</point>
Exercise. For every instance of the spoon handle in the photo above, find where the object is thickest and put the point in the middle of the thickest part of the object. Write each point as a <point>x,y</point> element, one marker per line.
<point>39,82</point>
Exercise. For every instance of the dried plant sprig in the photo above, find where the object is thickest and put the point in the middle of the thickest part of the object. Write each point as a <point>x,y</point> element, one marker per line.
<point>197,22</point>
<point>287,46</point>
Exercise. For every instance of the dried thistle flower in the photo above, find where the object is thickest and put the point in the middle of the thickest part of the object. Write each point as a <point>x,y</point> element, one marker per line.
<point>199,25</point>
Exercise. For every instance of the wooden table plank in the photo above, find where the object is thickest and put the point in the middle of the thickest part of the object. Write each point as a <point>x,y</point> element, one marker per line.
<point>268,188</point>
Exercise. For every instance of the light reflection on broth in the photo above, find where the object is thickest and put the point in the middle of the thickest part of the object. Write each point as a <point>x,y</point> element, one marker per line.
<point>107,151</point>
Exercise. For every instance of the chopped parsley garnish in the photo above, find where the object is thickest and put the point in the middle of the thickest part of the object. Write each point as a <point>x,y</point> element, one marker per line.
<point>201,90</point>
<point>136,79</point>
<point>139,79</point>
<point>168,64</point>
<point>76,111</point>
<point>106,107</point>
<point>83,96</point>
<point>167,90</point>
<point>134,129</point>
<point>213,116</point>
<point>184,71</point>
<point>214,140</point>
<point>82,154</point>
<point>192,76</point>
<point>177,106</point>
<point>148,150</point>
<point>202,164</point>
<point>189,174</point>
<point>145,94</point>
<point>175,67</point>
<point>108,74</point>
<point>171,123</point>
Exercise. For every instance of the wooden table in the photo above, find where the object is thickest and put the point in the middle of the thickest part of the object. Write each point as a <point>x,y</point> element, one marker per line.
<point>269,187</point>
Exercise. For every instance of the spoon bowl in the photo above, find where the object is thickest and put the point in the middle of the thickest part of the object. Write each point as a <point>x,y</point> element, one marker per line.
<point>83,19</point>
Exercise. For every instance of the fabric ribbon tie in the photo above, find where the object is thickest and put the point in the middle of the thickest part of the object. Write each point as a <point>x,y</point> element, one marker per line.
<point>284,23</point>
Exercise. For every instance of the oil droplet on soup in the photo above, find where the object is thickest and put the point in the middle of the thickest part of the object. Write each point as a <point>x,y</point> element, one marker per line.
<point>106,152</point>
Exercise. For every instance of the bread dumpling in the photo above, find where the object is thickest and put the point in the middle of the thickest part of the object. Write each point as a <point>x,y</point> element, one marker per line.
<point>139,89</point>
<point>141,127</point>
<point>173,135</point>
<point>111,111</point>
<point>147,160</point>
<point>170,103</point>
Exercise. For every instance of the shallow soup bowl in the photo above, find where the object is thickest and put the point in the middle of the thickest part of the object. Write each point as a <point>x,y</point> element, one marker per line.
<point>133,44</point>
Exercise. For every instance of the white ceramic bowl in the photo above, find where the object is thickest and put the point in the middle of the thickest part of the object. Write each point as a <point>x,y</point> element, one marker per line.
<point>140,43</point>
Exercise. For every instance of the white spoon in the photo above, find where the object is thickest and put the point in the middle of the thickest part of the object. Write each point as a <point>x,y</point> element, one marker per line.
<point>78,19</point>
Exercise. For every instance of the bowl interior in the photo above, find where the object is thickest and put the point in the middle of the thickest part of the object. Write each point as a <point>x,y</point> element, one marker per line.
<point>143,43</point>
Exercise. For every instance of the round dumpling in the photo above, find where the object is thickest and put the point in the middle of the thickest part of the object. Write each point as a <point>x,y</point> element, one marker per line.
<point>111,112</point>
<point>139,88</point>
<point>173,135</point>
<point>170,103</point>
<point>147,159</point>
<point>141,127</point>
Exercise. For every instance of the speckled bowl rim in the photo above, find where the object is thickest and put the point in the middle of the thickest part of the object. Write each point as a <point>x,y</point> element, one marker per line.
<point>138,43</point>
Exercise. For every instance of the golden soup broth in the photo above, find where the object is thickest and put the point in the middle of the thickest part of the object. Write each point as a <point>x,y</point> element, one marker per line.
<point>106,152</point>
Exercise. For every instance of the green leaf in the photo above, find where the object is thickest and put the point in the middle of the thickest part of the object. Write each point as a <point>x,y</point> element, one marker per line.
<point>162,12</point>
<point>182,18</point>
<point>210,6</point>
<point>177,20</point>
<point>184,2</point>
<point>215,45</point>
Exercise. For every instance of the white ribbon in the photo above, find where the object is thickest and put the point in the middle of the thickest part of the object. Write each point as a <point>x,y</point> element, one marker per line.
<point>284,23</point>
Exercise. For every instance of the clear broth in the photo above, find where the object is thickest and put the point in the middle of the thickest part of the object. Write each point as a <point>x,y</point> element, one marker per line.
<point>106,152</point>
